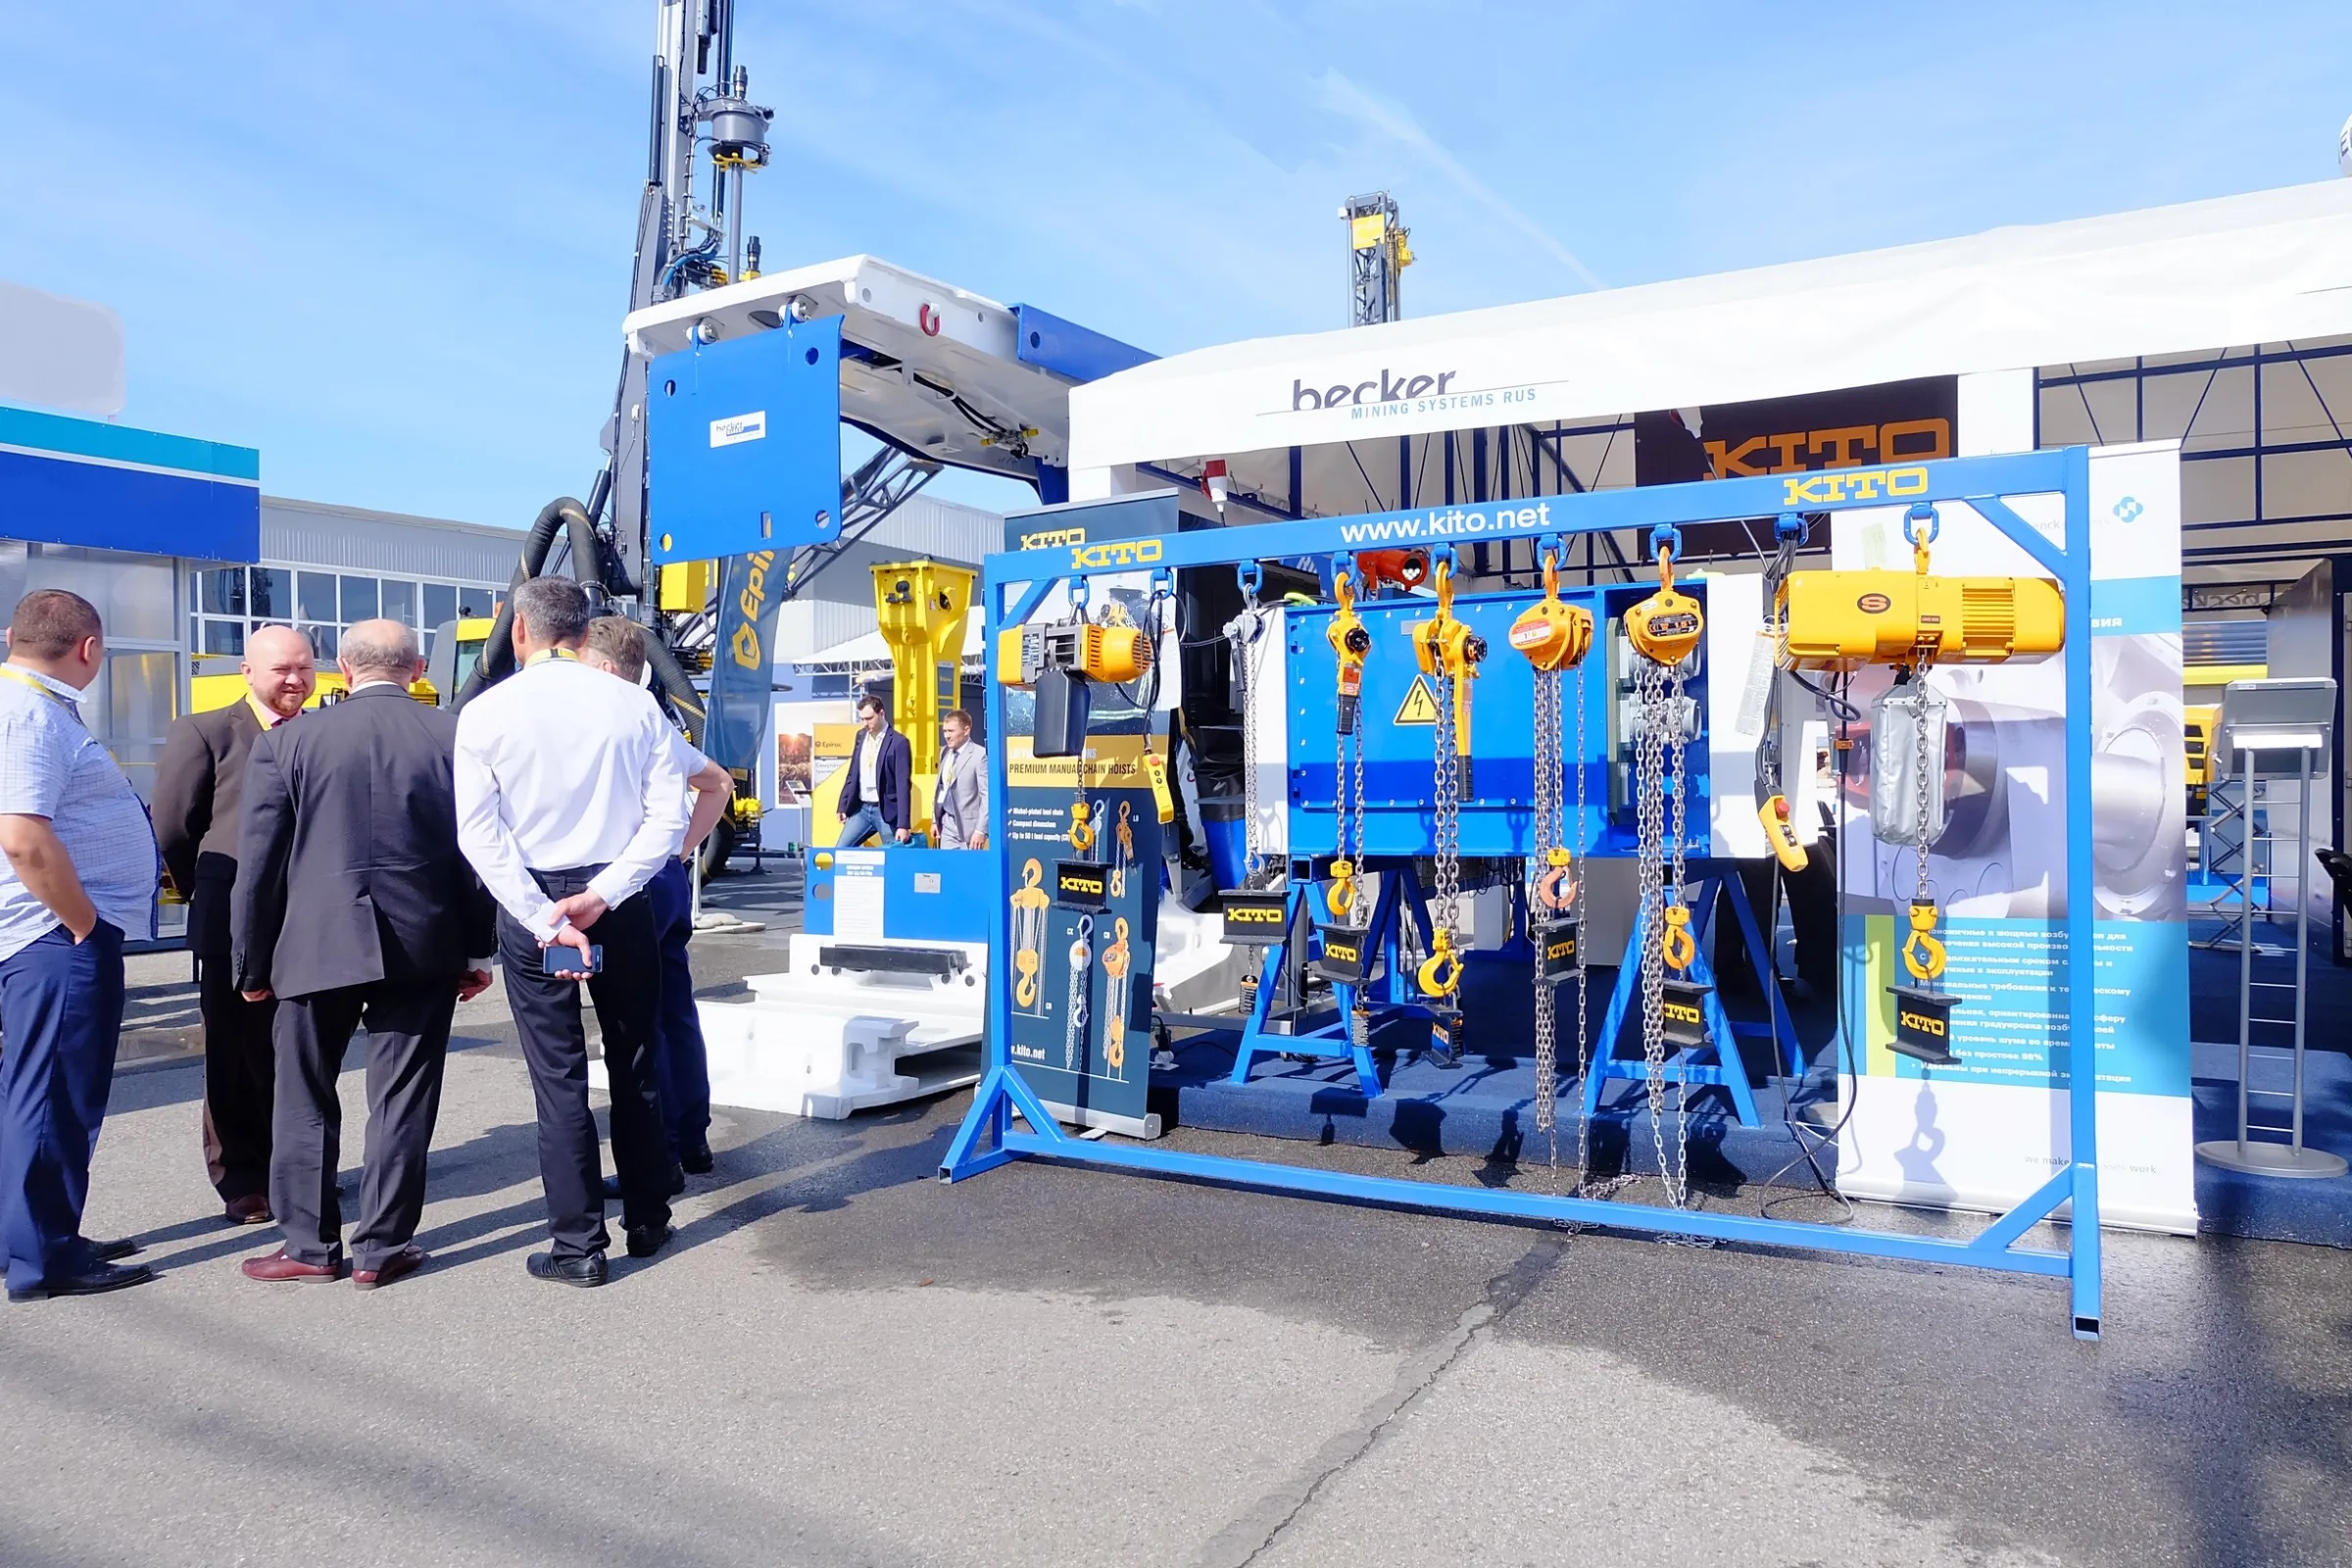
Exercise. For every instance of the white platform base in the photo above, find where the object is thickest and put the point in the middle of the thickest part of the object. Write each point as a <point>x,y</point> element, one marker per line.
<point>813,1043</point>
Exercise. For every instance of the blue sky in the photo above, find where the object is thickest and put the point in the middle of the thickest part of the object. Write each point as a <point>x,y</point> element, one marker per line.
<point>388,243</point>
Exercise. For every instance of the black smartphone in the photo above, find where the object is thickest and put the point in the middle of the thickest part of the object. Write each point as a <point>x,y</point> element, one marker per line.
<point>562,959</point>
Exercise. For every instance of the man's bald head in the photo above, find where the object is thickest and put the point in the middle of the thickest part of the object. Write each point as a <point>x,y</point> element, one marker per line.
<point>280,669</point>
<point>379,650</point>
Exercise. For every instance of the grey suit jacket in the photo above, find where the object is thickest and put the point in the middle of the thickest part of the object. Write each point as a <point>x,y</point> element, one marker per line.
<point>961,808</point>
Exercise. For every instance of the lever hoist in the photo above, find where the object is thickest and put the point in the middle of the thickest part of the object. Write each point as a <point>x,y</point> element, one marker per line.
<point>1347,952</point>
<point>1030,901</point>
<point>1554,636</point>
<point>1117,970</point>
<point>1449,653</point>
<point>1664,630</point>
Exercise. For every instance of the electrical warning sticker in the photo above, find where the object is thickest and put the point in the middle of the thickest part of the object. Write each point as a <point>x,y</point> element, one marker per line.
<point>1420,704</point>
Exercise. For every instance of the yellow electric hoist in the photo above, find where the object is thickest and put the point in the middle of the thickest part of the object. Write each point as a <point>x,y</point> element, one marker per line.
<point>1837,621</point>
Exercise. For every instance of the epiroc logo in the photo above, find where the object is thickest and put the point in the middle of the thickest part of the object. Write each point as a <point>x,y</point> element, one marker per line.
<point>1115,553</point>
<point>1052,538</point>
<point>744,647</point>
<point>1853,484</point>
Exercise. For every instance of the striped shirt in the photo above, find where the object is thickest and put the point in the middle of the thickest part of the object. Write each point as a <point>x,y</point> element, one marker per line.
<point>51,765</point>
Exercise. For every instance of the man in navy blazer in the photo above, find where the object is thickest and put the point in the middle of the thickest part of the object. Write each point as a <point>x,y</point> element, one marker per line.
<point>874,789</point>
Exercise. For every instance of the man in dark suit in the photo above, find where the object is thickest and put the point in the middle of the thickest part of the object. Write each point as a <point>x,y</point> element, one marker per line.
<point>354,906</point>
<point>874,787</point>
<point>197,789</point>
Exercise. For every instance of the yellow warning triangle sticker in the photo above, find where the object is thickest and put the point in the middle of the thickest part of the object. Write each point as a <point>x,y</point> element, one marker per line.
<point>1420,704</point>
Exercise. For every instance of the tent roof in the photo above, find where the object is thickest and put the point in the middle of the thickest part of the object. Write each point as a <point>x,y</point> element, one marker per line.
<point>2267,266</point>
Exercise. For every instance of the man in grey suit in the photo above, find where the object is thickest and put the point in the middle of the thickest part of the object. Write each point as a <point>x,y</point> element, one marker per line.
<point>959,810</point>
<point>353,907</point>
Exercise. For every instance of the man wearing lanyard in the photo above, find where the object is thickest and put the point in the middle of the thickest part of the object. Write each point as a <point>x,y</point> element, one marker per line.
<point>569,798</point>
<point>77,870</point>
<point>959,810</point>
<point>198,788</point>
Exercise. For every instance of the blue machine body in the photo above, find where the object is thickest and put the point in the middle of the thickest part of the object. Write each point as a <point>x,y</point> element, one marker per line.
<point>927,894</point>
<point>1498,813</point>
<point>743,443</point>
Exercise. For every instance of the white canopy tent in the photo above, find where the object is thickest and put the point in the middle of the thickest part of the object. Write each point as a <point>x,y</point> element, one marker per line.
<point>2225,323</point>
<point>870,648</point>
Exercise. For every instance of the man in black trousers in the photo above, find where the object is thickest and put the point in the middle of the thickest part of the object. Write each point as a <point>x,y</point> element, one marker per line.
<point>198,787</point>
<point>569,799</point>
<point>353,907</point>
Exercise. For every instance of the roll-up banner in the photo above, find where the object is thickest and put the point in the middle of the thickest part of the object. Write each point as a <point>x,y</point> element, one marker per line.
<point>1988,1131</point>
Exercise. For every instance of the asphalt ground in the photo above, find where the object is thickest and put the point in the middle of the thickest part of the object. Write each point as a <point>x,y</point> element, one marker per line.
<point>844,1361</point>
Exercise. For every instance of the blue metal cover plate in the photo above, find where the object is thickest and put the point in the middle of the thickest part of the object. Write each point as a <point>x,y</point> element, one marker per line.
<point>744,443</point>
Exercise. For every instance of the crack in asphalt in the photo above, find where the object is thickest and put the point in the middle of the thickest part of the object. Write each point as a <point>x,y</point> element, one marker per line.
<point>1242,1541</point>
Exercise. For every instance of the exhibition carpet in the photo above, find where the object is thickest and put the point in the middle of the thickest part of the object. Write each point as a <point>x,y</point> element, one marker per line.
<point>2232,1204</point>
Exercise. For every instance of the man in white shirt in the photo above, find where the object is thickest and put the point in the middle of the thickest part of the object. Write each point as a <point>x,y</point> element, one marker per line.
<point>959,808</point>
<point>569,799</point>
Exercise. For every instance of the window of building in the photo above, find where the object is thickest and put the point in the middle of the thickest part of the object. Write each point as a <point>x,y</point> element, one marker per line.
<point>222,637</point>
<point>440,604</point>
<point>400,601</point>
<point>221,592</point>
<point>325,641</point>
<point>314,596</point>
<point>359,600</point>
<point>272,594</point>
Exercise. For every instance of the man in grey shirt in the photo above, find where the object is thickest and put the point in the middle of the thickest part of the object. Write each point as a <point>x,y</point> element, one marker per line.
<point>77,873</point>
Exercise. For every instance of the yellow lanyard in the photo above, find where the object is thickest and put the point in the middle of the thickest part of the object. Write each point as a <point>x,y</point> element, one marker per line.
<point>269,719</point>
<point>33,683</point>
<point>551,652</point>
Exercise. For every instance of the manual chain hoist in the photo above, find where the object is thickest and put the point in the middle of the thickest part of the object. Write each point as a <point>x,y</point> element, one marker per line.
<point>1117,969</point>
<point>1347,956</point>
<point>1554,636</point>
<point>1665,631</point>
<point>1449,653</point>
<point>1082,957</point>
<point>1125,836</point>
<point>1029,905</point>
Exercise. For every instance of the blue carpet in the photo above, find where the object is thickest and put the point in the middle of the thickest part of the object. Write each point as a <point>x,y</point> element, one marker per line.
<point>2232,1203</point>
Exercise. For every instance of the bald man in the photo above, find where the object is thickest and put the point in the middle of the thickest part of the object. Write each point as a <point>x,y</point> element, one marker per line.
<point>198,787</point>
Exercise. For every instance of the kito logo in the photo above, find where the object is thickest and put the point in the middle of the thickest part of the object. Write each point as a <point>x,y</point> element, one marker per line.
<point>1382,389</point>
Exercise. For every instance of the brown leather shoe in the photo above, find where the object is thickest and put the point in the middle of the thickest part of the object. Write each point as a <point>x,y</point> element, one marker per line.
<point>399,1266</point>
<point>278,1267</point>
<point>251,1209</point>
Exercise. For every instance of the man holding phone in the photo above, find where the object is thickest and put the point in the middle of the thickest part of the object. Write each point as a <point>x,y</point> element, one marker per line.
<point>569,799</point>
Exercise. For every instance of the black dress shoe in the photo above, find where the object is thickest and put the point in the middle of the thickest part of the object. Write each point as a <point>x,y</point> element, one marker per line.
<point>96,1281</point>
<point>675,1184</point>
<point>586,1272</point>
<point>694,1158</point>
<point>647,1240</point>
<point>113,1251</point>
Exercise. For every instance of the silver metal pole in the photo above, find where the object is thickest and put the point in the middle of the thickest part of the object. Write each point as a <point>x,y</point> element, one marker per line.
<point>2245,942</point>
<point>2302,928</point>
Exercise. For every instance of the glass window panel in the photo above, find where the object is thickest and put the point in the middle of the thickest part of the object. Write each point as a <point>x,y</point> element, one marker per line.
<point>195,591</point>
<point>440,603</point>
<point>474,602</point>
<point>272,594</point>
<point>400,601</point>
<point>426,639</point>
<point>142,697</point>
<point>359,598</point>
<point>223,637</point>
<point>324,640</point>
<point>137,596</point>
<point>223,591</point>
<point>314,596</point>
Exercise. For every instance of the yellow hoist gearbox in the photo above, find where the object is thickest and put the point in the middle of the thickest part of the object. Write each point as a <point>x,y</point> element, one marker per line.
<point>1842,620</point>
<point>1114,653</point>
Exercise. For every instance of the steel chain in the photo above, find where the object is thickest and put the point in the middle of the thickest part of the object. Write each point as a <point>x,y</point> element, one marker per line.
<point>1675,756</point>
<point>1547,838</point>
<point>1583,1048</point>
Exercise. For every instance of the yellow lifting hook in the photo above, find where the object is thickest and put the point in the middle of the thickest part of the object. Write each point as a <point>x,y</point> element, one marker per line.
<point>1923,954</point>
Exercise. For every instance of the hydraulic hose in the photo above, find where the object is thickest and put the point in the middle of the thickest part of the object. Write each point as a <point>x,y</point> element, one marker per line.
<point>498,654</point>
<point>671,682</point>
<point>587,561</point>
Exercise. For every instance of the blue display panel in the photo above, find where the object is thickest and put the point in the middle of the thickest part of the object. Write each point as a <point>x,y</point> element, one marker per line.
<point>1498,817</point>
<point>744,443</point>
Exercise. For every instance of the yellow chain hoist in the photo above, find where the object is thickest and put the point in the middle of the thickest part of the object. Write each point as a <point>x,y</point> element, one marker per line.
<point>1666,626</point>
<point>1029,905</point>
<point>1553,636</point>
<point>1115,959</point>
<point>1350,641</point>
<point>1447,651</point>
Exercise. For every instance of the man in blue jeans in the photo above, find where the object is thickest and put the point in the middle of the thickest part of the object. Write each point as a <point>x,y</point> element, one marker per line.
<point>616,645</point>
<point>77,870</point>
<point>874,786</point>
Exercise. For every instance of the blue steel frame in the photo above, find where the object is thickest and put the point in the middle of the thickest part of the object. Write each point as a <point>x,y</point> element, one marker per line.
<point>987,1138</point>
